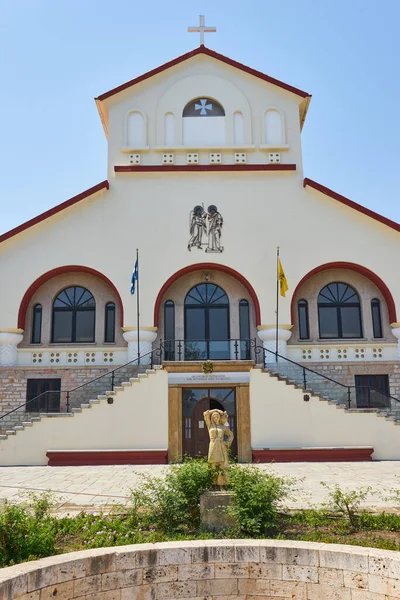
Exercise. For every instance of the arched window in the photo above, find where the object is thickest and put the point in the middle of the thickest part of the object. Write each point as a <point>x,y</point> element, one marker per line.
<point>169,330</point>
<point>203,122</point>
<point>74,316</point>
<point>244,330</point>
<point>238,128</point>
<point>304,330</point>
<point>36,324</point>
<point>169,129</point>
<point>339,312</point>
<point>376,318</point>
<point>109,325</point>
<point>273,127</point>
<point>136,130</point>
<point>206,323</point>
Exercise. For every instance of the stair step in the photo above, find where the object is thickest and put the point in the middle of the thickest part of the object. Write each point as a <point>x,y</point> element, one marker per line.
<point>95,401</point>
<point>126,384</point>
<point>134,379</point>
<point>11,432</point>
<point>3,436</point>
<point>27,423</point>
<point>85,405</point>
<point>35,419</point>
<point>119,388</point>
<point>142,375</point>
<point>76,410</point>
<point>18,428</point>
<point>110,393</point>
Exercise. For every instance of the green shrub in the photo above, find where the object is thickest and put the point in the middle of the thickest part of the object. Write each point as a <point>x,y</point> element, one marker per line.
<point>172,503</point>
<point>346,503</point>
<point>258,497</point>
<point>26,532</point>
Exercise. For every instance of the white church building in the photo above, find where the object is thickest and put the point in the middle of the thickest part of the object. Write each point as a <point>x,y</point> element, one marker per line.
<point>205,179</point>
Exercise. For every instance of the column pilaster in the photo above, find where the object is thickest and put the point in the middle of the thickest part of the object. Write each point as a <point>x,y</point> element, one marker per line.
<point>147,335</point>
<point>267,334</point>
<point>9,340</point>
<point>396,332</point>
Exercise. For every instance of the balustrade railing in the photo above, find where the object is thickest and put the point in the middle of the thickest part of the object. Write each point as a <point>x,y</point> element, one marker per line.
<point>192,350</point>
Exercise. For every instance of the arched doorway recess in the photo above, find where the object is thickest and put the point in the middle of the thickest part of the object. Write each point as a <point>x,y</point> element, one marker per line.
<point>207,314</point>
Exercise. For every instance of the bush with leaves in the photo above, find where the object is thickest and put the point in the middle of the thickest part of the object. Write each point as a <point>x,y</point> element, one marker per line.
<point>257,499</point>
<point>27,531</point>
<point>173,503</point>
<point>346,503</point>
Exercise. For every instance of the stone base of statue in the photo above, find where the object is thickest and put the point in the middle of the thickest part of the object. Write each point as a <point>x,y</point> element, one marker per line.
<point>214,515</point>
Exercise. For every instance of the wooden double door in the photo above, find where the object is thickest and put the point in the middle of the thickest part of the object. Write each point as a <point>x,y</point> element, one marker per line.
<point>195,401</point>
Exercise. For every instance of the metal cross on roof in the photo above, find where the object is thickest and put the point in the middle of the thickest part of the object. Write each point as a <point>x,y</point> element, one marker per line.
<point>202,29</point>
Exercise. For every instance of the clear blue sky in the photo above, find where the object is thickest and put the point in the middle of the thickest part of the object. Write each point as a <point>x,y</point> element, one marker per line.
<point>57,55</point>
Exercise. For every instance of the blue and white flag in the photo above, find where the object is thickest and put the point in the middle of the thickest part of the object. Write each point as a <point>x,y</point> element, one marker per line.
<point>135,276</point>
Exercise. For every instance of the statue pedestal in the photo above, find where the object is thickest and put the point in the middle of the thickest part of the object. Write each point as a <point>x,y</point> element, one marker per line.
<point>213,510</point>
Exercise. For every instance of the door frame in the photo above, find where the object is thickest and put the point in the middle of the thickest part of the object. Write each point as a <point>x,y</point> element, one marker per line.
<point>195,407</point>
<point>175,419</point>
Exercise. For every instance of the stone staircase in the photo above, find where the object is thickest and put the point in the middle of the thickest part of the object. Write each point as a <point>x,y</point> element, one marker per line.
<point>91,393</point>
<point>333,392</point>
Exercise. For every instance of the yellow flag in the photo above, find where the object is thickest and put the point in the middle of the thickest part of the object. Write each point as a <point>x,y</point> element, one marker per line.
<point>282,279</point>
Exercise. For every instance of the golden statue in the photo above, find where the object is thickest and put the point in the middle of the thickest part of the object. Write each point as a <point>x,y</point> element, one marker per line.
<point>218,449</point>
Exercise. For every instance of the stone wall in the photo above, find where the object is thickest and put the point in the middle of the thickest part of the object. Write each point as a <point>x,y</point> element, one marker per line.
<point>220,570</point>
<point>345,372</point>
<point>13,381</point>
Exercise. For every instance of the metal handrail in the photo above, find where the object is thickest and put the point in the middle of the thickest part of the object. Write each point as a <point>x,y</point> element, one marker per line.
<point>27,402</point>
<point>348,387</point>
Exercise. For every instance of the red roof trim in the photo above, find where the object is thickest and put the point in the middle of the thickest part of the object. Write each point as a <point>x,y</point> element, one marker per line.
<point>351,204</point>
<point>200,168</point>
<point>212,54</point>
<point>54,210</point>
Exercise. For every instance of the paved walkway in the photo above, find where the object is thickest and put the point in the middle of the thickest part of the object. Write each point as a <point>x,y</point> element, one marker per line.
<point>94,488</point>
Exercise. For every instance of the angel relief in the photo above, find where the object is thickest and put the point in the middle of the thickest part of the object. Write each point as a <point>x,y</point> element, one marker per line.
<point>206,225</point>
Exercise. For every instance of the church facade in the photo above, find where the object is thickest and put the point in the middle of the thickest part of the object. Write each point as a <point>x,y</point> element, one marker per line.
<point>205,179</point>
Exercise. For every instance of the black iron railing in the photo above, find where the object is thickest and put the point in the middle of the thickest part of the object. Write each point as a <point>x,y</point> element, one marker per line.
<point>231,349</point>
<point>313,381</point>
<point>191,350</point>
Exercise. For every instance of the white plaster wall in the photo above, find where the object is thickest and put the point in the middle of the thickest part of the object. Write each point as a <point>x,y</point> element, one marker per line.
<point>137,420</point>
<point>151,212</point>
<point>171,90</point>
<point>281,419</point>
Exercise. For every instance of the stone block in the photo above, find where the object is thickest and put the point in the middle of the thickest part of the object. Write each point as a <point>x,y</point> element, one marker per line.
<point>87,585</point>
<point>42,578</point>
<point>147,558</point>
<point>364,595</point>
<point>176,589</point>
<point>71,570</point>
<point>317,591</point>
<point>102,563</point>
<point>217,587</point>
<point>254,587</point>
<point>214,511</point>
<point>384,585</point>
<point>61,591</point>
<point>121,579</point>
<point>141,592</point>
<point>355,580</point>
<point>192,572</point>
<point>266,571</point>
<point>290,553</point>
<point>330,576</point>
<point>215,553</point>
<point>297,573</point>
<point>344,557</point>
<point>247,552</point>
<point>232,570</point>
<point>289,589</point>
<point>161,574</point>
<point>176,556</point>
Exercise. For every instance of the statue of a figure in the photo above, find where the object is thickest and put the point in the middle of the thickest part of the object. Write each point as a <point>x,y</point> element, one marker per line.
<point>218,449</point>
<point>215,223</point>
<point>197,227</point>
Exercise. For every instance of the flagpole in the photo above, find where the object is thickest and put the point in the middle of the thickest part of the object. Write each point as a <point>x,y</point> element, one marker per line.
<point>137,307</point>
<point>277,303</point>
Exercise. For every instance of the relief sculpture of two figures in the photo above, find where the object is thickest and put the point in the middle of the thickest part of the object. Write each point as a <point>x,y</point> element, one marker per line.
<point>206,224</point>
<point>218,430</point>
